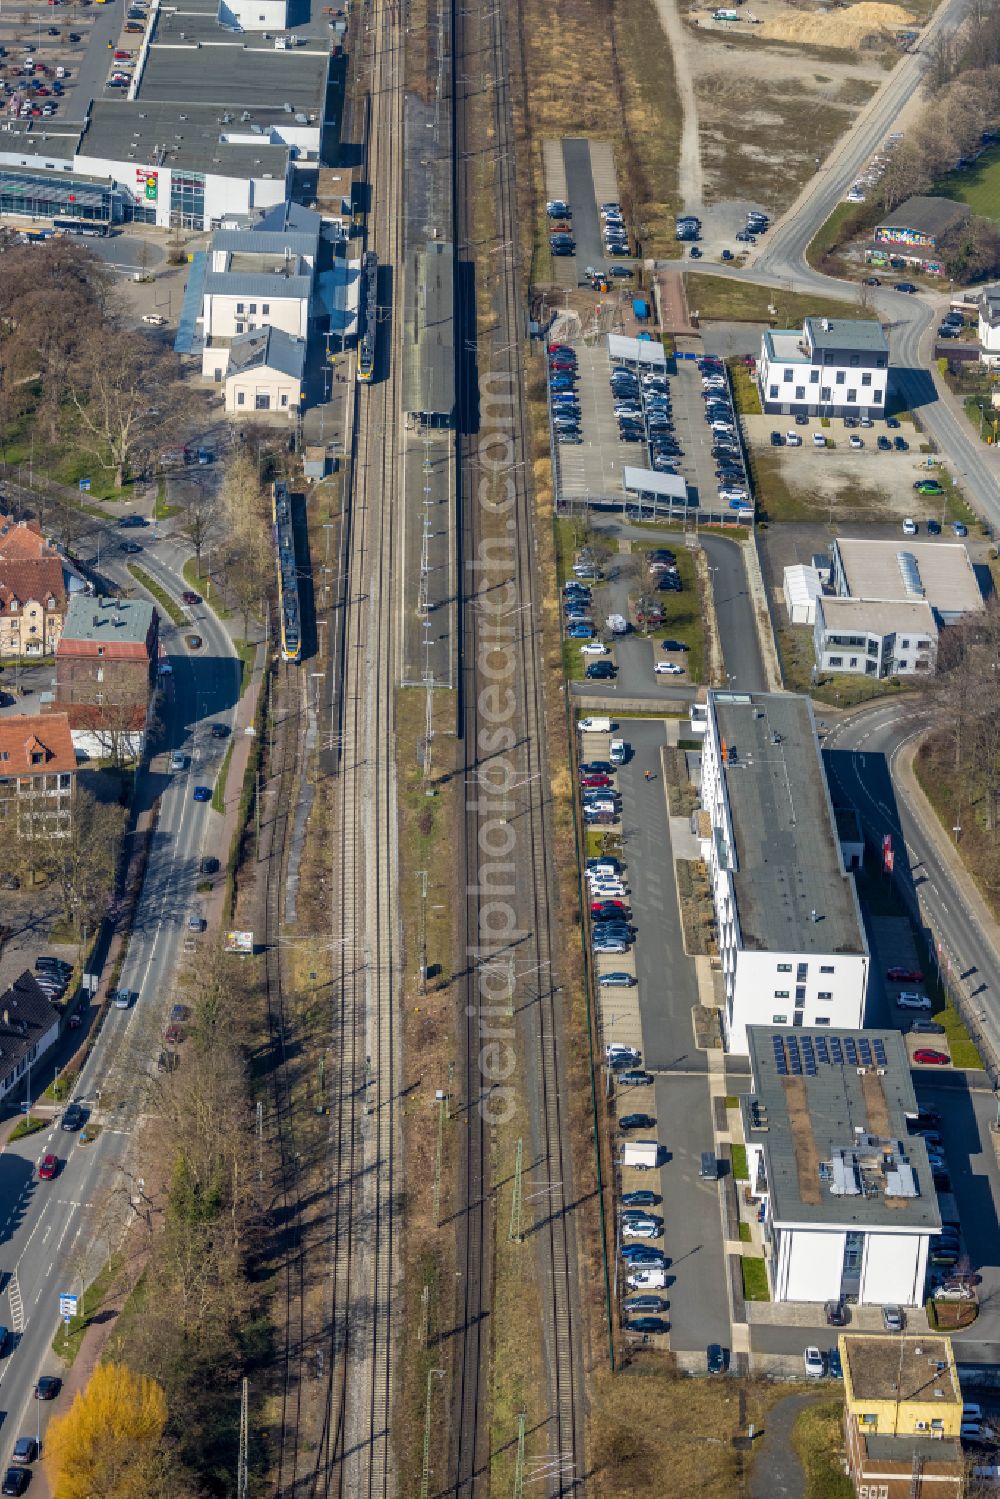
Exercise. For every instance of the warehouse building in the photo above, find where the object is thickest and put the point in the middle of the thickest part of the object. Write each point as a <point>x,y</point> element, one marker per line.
<point>846,1194</point>
<point>791,942</point>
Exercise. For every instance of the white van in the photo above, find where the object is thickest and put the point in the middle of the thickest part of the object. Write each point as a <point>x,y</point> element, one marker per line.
<point>616,752</point>
<point>595,726</point>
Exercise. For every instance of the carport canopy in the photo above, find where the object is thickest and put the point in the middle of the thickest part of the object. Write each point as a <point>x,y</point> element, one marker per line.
<point>646,351</point>
<point>648,481</point>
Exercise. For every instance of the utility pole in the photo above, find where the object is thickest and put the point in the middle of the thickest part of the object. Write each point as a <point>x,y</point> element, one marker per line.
<point>519,1467</point>
<point>516,1230</point>
<point>260,1141</point>
<point>242,1465</point>
<point>442,1103</point>
<point>425,1471</point>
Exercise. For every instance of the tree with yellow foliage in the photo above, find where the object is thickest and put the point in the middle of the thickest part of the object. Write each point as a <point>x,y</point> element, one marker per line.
<point>108,1444</point>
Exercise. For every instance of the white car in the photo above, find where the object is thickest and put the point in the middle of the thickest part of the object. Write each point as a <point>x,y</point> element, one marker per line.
<point>909,527</point>
<point>793,440</point>
<point>819,441</point>
<point>856,441</point>
<point>653,1278</point>
<point>641,1228</point>
<point>155,319</point>
<point>913,1001</point>
<point>815,1363</point>
<point>668,669</point>
<point>593,648</point>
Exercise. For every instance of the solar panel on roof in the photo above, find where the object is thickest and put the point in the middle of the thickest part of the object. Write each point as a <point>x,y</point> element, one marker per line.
<point>866,1053</point>
<point>851,1050</point>
<point>838,1055</point>
<point>811,1069</point>
<point>821,1051</point>
<point>782,1069</point>
<point>796,1067</point>
<point>879,1052</point>
<point>793,1046</point>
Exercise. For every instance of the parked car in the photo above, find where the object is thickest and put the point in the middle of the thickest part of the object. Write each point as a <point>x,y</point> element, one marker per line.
<point>928,1058</point>
<point>909,1000</point>
<point>636,1121</point>
<point>892,1318</point>
<point>905,975</point>
<point>836,1314</point>
<point>717,1359</point>
<point>814,1362</point>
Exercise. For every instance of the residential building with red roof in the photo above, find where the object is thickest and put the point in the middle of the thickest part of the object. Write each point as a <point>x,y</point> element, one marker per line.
<point>33,592</point>
<point>37,774</point>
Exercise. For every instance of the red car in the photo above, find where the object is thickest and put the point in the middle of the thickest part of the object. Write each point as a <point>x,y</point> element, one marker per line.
<point>563,366</point>
<point>47,1167</point>
<point>562,349</point>
<point>121,56</point>
<point>928,1058</point>
<point>597,780</point>
<point>904,975</point>
<point>191,597</point>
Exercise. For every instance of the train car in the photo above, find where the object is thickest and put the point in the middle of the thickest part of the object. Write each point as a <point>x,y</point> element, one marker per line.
<point>289,605</point>
<point>368,317</point>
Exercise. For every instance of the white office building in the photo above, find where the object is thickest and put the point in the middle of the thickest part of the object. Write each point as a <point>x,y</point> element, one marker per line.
<point>874,639</point>
<point>846,1193</point>
<point>833,367</point>
<point>791,942</point>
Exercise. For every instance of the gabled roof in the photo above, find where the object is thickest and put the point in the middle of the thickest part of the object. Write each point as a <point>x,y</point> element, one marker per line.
<point>926,215</point>
<point>22,540</point>
<point>36,744</point>
<point>270,288</point>
<point>37,578</point>
<point>289,215</point>
<point>267,348</point>
<point>26,1016</point>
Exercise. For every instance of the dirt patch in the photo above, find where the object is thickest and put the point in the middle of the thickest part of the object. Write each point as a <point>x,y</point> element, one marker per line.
<point>697,911</point>
<point>852,28</point>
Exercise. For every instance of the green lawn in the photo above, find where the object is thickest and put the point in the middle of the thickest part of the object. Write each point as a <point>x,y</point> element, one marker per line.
<point>755,1287</point>
<point>247,652</point>
<point>741,1170</point>
<point>683,613</point>
<point>66,1343</point>
<point>979,186</point>
<point>219,789</point>
<point>723,297</point>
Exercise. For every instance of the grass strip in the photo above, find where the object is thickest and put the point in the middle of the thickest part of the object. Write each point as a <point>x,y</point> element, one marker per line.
<point>173,610</point>
<point>741,1170</point>
<point>219,790</point>
<point>755,1286</point>
<point>27,1126</point>
<point>67,1341</point>
<point>817,1437</point>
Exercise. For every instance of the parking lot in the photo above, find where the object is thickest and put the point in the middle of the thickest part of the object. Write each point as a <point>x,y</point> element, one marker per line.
<point>653,1014</point>
<point>581,173</point>
<point>593,469</point>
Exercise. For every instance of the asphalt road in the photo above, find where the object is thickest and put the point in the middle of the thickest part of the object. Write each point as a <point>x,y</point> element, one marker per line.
<point>54,1231</point>
<point>860,753</point>
<point>734,612</point>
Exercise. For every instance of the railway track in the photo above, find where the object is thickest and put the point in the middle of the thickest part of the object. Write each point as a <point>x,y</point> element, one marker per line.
<point>353,1457</point>
<point>284,747</point>
<point>530,954</point>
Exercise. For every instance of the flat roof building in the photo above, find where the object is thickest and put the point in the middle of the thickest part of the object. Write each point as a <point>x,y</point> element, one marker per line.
<point>834,367</point>
<point>871,638</point>
<point>847,1194</point>
<point>791,942</point>
<point>903,1416</point>
<point>429,335</point>
<point>937,573</point>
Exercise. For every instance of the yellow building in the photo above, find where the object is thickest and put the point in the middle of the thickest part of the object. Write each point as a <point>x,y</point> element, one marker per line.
<point>902,1416</point>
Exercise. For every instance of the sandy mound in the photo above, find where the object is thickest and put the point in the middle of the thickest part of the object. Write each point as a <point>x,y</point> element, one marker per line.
<point>847,28</point>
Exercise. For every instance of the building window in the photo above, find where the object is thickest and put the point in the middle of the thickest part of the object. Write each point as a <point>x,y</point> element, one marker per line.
<point>253,309</point>
<point>37,757</point>
<point>866,379</point>
<point>781,993</point>
<point>773,392</point>
<point>855,361</point>
<point>265,309</point>
<point>825,393</point>
<point>825,994</point>
<point>800,994</point>
<point>789,375</point>
<point>779,1019</point>
<point>840,378</point>
<point>284,399</point>
<point>880,362</point>
<point>801,972</point>
<point>100,650</point>
<point>187,200</point>
<point>784,967</point>
<point>240,328</point>
<point>904,645</point>
<point>798,1017</point>
<point>822,1020</point>
<point>836,661</point>
<point>241,398</point>
<point>854,661</point>
<point>877,397</point>
<point>800,392</point>
<point>240,308</point>
<point>814,377</point>
<point>852,395</point>
<point>827,968</point>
